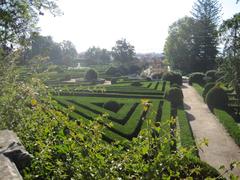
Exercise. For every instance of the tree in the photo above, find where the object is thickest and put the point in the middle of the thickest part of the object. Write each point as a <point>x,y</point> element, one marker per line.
<point>69,53</point>
<point>96,55</point>
<point>206,14</point>
<point>63,53</point>
<point>19,19</point>
<point>179,47</point>
<point>123,52</point>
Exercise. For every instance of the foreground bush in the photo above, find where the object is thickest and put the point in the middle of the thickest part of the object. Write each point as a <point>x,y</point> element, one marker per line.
<point>112,106</point>
<point>207,87</point>
<point>197,78</point>
<point>174,78</point>
<point>217,98</point>
<point>67,149</point>
<point>91,75</point>
<point>175,96</point>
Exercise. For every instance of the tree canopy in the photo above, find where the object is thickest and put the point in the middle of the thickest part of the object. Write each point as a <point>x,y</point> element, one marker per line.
<point>19,18</point>
<point>96,55</point>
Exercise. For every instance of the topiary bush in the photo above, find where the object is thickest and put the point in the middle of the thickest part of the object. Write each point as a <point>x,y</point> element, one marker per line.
<point>136,83</point>
<point>91,75</point>
<point>112,106</point>
<point>211,76</point>
<point>175,96</point>
<point>207,87</point>
<point>217,98</point>
<point>197,77</point>
<point>173,77</point>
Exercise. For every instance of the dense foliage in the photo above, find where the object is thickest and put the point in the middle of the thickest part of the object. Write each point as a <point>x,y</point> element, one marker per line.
<point>19,19</point>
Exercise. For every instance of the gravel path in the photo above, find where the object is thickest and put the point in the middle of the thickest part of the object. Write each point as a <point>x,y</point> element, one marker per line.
<point>221,149</point>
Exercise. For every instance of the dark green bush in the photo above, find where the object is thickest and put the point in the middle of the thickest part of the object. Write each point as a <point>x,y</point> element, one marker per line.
<point>173,78</point>
<point>91,75</point>
<point>175,96</point>
<point>197,77</point>
<point>112,106</point>
<point>136,84</point>
<point>207,87</point>
<point>217,98</point>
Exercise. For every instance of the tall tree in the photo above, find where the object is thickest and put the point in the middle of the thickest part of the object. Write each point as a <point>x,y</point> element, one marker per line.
<point>207,15</point>
<point>179,47</point>
<point>123,52</point>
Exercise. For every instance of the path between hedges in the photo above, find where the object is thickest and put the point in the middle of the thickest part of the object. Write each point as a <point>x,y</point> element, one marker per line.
<point>221,149</point>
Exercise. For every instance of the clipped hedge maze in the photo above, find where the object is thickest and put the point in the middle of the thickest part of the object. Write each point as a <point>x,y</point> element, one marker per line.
<point>129,119</point>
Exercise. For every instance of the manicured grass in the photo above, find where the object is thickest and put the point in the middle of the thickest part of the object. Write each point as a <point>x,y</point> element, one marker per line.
<point>186,136</point>
<point>198,88</point>
<point>229,123</point>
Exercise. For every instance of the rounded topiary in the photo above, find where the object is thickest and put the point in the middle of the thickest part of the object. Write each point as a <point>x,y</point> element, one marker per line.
<point>136,83</point>
<point>197,77</point>
<point>112,106</point>
<point>207,87</point>
<point>175,96</point>
<point>91,75</point>
<point>173,78</point>
<point>217,98</point>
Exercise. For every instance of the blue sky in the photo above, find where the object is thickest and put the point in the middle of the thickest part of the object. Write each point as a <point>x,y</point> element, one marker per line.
<point>144,23</point>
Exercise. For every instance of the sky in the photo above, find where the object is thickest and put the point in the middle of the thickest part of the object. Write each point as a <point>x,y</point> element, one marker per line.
<point>143,23</point>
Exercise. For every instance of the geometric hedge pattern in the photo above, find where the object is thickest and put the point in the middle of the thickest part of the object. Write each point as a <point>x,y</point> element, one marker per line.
<point>130,117</point>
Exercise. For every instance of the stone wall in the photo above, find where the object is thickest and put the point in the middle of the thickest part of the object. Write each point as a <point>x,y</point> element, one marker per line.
<point>13,156</point>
